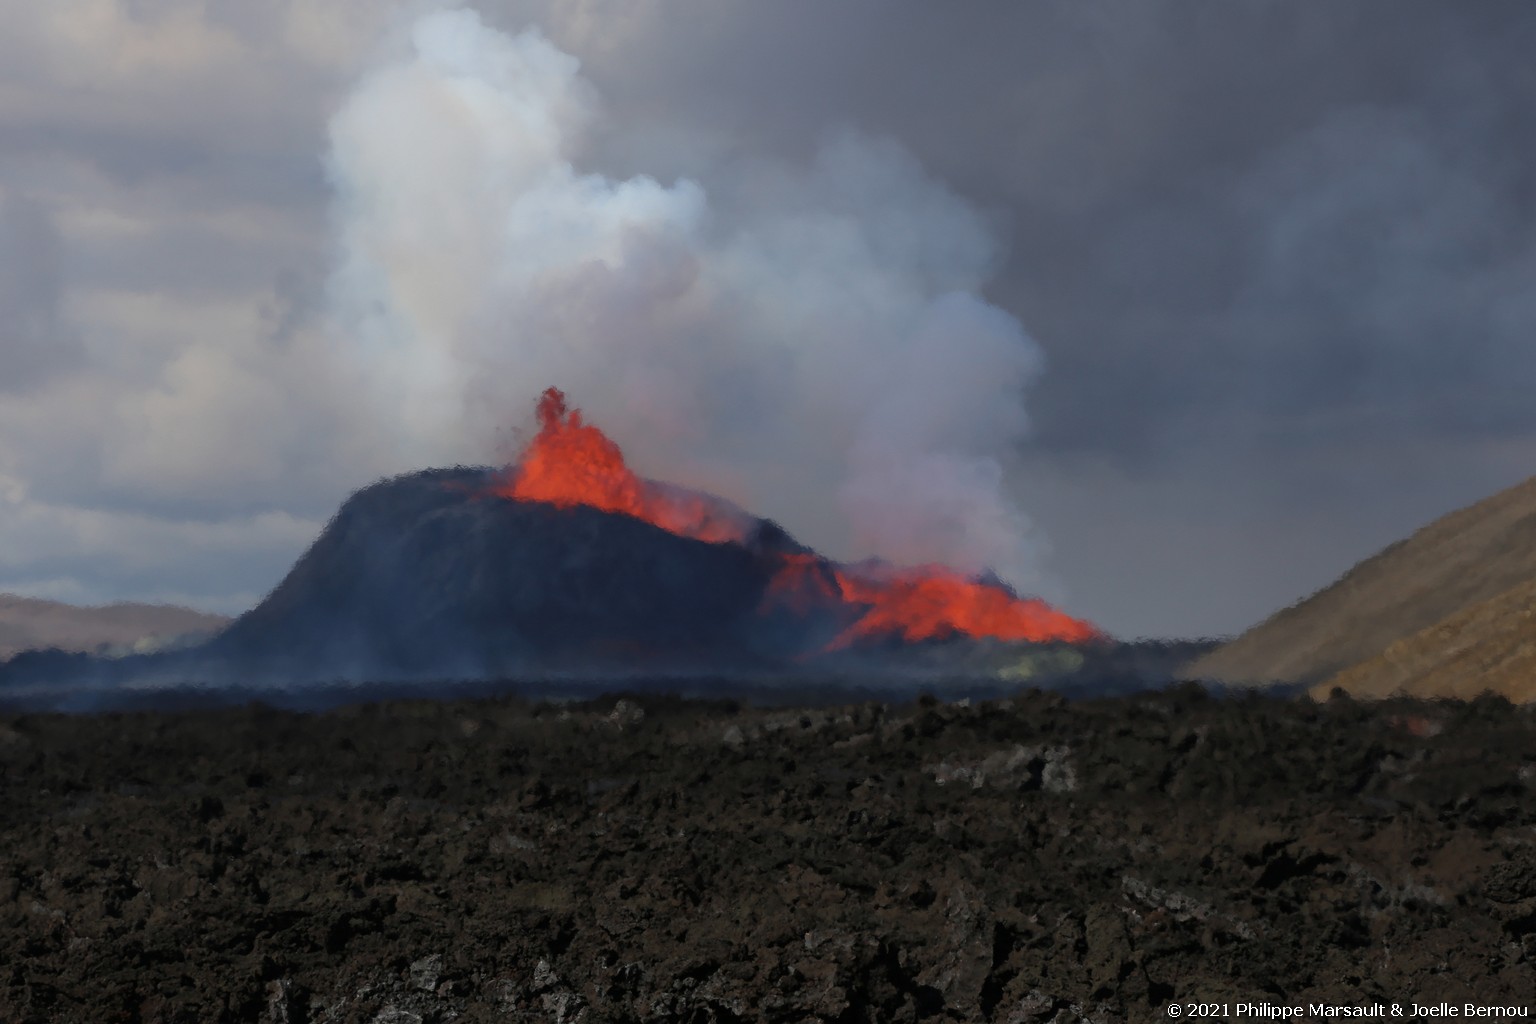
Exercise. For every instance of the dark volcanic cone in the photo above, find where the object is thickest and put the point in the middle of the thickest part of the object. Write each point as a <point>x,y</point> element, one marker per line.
<point>442,576</point>
<point>431,575</point>
<point>568,561</point>
<point>565,565</point>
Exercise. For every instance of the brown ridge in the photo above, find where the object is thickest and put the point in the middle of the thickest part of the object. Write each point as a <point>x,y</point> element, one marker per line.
<point>1472,555</point>
<point>1487,648</point>
<point>28,623</point>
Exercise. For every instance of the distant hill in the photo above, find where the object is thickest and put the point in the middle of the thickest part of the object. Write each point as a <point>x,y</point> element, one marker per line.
<point>1478,554</point>
<point>28,623</point>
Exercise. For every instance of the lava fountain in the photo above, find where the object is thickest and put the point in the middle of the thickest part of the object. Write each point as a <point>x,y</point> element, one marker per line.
<point>571,462</point>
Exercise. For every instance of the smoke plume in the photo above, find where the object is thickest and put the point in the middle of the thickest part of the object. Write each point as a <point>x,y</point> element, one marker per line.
<point>813,347</point>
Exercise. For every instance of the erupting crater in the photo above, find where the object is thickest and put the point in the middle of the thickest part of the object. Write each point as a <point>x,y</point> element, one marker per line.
<point>570,462</point>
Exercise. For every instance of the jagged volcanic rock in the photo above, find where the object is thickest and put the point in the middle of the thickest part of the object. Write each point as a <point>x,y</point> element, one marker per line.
<point>646,859</point>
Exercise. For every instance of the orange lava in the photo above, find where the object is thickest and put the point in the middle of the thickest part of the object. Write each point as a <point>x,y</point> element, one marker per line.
<point>932,602</point>
<point>569,462</point>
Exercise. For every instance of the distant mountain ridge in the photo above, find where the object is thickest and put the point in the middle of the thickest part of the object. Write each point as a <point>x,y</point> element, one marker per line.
<point>29,623</point>
<point>1356,632</point>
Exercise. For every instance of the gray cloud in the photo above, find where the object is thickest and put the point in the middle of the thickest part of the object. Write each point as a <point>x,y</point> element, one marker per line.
<point>1277,255</point>
<point>35,341</point>
<point>1252,239</point>
<point>1193,192</point>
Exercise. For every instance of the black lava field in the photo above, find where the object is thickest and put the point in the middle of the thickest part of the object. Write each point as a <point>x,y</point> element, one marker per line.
<point>641,859</point>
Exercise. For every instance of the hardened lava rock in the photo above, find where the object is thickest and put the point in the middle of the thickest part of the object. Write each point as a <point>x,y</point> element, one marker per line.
<point>638,858</point>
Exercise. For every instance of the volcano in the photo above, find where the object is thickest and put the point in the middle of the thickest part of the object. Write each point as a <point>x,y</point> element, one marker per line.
<point>569,562</point>
<point>433,574</point>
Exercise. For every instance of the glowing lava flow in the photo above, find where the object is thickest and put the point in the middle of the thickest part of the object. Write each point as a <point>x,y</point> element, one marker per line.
<point>927,602</point>
<point>570,462</point>
<point>932,602</point>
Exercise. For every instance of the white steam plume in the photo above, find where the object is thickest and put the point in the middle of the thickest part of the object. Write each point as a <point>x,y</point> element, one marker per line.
<point>820,353</point>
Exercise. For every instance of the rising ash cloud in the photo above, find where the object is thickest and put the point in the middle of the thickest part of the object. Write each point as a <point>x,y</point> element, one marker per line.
<point>1276,257</point>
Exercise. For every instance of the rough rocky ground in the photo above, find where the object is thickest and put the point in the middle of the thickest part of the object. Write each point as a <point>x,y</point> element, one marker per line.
<point>1023,860</point>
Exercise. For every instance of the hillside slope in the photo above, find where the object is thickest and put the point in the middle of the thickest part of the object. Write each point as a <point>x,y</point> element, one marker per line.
<point>28,623</point>
<point>1467,557</point>
<point>1489,647</point>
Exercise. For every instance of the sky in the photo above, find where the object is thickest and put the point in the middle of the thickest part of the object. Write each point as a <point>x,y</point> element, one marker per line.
<point>1171,310</point>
